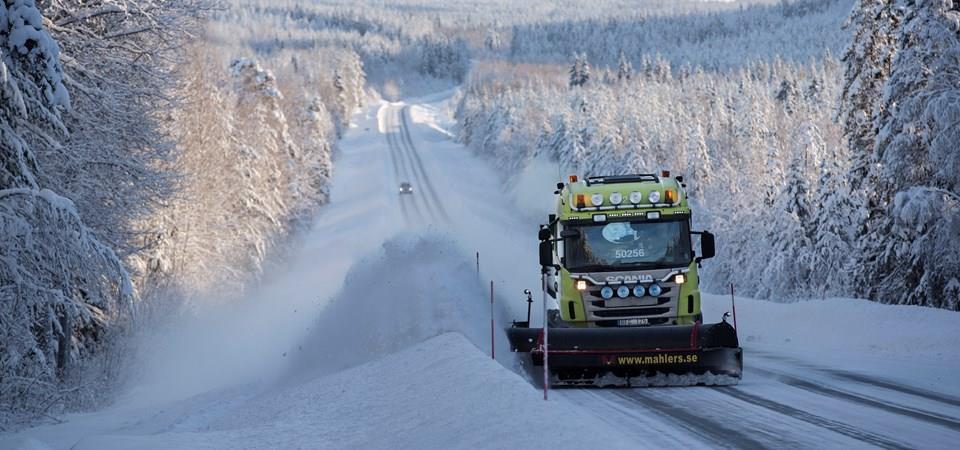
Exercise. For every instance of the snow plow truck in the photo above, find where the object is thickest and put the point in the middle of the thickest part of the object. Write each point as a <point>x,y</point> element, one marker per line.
<point>618,258</point>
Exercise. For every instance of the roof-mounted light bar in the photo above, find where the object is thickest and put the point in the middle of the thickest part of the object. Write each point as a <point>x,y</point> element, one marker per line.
<point>636,178</point>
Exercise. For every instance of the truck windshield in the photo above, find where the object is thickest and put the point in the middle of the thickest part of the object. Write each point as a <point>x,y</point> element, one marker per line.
<point>626,245</point>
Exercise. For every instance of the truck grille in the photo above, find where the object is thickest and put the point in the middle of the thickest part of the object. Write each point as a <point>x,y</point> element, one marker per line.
<point>612,312</point>
<point>603,303</point>
<point>631,312</point>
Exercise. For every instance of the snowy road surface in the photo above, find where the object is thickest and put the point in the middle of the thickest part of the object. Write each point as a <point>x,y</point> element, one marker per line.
<point>376,336</point>
<point>425,206</point>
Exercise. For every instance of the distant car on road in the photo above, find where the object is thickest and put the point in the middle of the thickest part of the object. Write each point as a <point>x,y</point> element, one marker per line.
<point>406,188</point>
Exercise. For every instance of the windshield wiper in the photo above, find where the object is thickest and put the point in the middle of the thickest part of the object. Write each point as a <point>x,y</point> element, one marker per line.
<point>593,268</point>
<point>622,267</point>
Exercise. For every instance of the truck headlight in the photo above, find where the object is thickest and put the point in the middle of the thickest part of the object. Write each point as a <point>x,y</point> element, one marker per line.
<point>653,196</point>
<point>680,278</point>
<point>623,291</point>
<point>581,285</point>
<point>655,290</point>
<point>606,292</point>
<point>636,197</point>
<point>639,291</point>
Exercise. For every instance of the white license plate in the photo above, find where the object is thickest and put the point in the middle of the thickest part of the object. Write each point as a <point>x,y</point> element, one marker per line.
<point>633,322</point>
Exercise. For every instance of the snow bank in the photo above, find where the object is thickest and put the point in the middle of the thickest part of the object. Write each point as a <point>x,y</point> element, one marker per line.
<point>913,345</point>
<point>453,396</point>
<point>845,325</point>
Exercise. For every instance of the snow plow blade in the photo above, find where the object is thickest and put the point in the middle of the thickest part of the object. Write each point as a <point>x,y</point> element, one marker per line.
<point>681,355</point>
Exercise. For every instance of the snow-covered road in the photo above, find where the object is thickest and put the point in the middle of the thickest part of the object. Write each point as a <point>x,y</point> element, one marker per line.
<point>426,206</point>
<point>382,339</point>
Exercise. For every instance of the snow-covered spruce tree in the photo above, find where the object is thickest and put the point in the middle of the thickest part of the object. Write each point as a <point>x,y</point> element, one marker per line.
<point>579,70</point>
<point>788,94</point>
<point>342,112</point>
<point>575,72</point>
<point>663,72</point>
<point>560,145</point>
<point>867,61</point>
<point>905,253</point>
<point>624,67</point>
<point>492,42</point>
<point>834,230</point>
<point>32,90</point>
<point>573,147</point>
<point>62,292</point>
<point>264,153</point>
<point>699,165</point>
<point>348,85</point>
<point>315,163</point>
<point>788,224</point>
<point>357,82</point>
<point>867,64</point>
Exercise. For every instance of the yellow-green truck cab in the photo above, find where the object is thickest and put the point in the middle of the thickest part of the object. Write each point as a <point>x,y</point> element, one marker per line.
<point>625,251</point>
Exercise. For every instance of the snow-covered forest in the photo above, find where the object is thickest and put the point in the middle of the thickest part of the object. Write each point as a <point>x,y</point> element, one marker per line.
<point>159,156</point>
<point>149,160</point>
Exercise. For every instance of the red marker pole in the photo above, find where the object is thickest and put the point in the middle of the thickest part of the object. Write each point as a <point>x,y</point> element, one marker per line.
<point>493,348</point>
<point>734,304</point>
<point>546,337</point>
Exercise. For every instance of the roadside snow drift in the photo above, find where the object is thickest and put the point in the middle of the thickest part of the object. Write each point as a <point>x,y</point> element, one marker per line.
<point>441,393</point>
<point>912,344</point>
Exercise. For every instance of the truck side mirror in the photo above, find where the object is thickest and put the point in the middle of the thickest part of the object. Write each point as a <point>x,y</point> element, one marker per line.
<point>708,245</point>
<point>546,253</point>
<point>544,234</point>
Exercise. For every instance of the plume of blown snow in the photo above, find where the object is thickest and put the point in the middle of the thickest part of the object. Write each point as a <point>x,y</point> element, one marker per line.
<point>415,288</point>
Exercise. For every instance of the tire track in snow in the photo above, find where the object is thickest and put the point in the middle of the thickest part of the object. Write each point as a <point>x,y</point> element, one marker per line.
<point>813,419</point>
<point>408,152</point>
<point>414,173</point>
<point>711,430</point>
<point>810,386</point>
<point>877,382</point>
<point>870,381</point>
<point>413,151</point>
<point>393,147</point>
